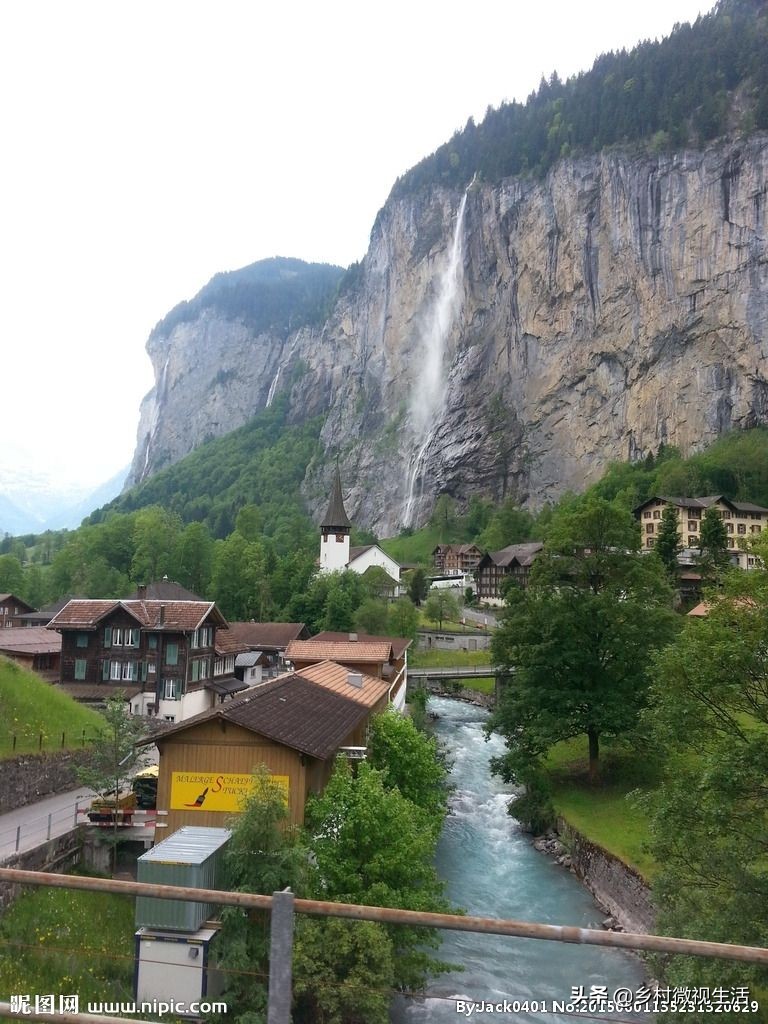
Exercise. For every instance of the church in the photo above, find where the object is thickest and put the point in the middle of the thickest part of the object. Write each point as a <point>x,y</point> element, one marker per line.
<point>335,553</point>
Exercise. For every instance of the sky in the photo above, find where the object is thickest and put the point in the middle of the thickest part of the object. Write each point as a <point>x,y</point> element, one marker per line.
<point>148,145</point>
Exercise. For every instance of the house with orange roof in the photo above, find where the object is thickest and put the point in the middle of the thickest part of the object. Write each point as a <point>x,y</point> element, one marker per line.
<point>384,658</point>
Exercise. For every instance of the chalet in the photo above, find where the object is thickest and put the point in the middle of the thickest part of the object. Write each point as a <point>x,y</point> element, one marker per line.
<point>496,567</point>
<point>33,647</point>
<point>159,654</point>
<point>743,521</point>
<point>11,610</point>
<point>335,552</point>
<point>292,725</point>
<point>456,559</point>
<point>382,657</point>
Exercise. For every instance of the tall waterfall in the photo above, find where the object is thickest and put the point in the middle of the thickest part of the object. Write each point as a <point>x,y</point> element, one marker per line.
<point>272,389</point>
<point>428,395</point>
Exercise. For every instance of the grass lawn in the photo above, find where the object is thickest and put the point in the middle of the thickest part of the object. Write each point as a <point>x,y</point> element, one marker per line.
<point>604,814</point>
<point>33,708</point>
<point>68,942</point>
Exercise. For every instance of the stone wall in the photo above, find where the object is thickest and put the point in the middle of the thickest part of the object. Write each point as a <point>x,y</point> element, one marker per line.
<point>31,777</point>
<point>59,855</point>
<point>617,887</point>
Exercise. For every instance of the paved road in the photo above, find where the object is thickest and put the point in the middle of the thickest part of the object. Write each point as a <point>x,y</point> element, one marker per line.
<point>484,618</point>
<point>462,672</point>
<point>31,825</point>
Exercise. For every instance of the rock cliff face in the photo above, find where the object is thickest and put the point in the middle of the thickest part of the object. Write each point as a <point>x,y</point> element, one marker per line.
<point>509,343</point>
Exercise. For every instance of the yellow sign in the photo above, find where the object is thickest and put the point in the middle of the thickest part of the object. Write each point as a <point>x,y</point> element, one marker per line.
<point>209,791</point>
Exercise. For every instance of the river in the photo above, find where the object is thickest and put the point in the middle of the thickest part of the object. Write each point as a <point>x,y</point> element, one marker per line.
<point>491,869</point>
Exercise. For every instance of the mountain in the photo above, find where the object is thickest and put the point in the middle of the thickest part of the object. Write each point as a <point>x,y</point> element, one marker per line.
<point>510,334</point>
<point>32,503</point>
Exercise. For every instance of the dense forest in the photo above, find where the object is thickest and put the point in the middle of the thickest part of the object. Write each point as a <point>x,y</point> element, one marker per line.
<point>703,81</point>
<point>277,295</point>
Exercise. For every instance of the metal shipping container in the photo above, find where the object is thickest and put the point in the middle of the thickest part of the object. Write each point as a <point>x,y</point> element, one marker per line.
<point>193,856</point>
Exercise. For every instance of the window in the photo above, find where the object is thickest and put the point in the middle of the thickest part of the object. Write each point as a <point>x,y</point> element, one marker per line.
<point>117,636</point>
<point>649,527</point>
<point>172,689</point>
<point>199,669</point>
<point>692,525</point>
<point>657,514</point>
<point>650,542</point>
<point>82,640</point>
<point>170,718</point>
<point>755,529</point>
<point>130,670</point>
<point>729,527</point>
<point>741,528</point>
<point>646,515</point>
<point>80,664</point>
<point>755,515</point>
<point>132,637</point>
<point>152,641</point>
<point>115,670</point>
<point>172,653</point>
<point>693,541</point>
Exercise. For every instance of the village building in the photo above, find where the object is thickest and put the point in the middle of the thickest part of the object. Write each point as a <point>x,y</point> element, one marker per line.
<point>496,567</point>
<point>456,559</point>
<point>34,648</point>
<point>42,616</point>
<point>743,521</point>
<point>12,608</point>
<point>335,552</point>
<point>384,658</point>
<point>294,726</point>
<point>158,653</point>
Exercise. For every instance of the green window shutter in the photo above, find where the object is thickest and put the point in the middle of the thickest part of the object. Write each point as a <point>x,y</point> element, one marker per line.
<point>142,671</point>
<point>171,653</point>
<point>80,664</point>
<point>105,669</point>
<point>107,636</point>
<point>82,639</point>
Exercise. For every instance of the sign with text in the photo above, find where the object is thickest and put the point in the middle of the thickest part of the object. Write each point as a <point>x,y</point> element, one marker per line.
<point>210,791</point>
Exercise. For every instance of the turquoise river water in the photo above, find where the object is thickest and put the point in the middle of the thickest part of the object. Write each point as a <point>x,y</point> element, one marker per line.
<point>491,869</point>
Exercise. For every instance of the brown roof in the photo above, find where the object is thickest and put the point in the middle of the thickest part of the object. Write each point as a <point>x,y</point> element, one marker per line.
<point>90,692</point>
<point>264,635</point>
<point>227,642</point>
<point>183,616</point>
<point>378,653</point>
<point>289,710</point>
<point>523,554</point>
<point>45,614</point>
<point>336,678</point>
<point>17,601</point>
<point>399,644</point>
<point>29,640</point>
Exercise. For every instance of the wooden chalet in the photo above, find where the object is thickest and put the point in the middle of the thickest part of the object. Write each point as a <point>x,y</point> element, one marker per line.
<point>159,654</point>
<point>383,657</point>
<point>34,648</point>
<point>456,559</point>
<point>12,608</point>
<point>496,567</point>
<point>292,725</point>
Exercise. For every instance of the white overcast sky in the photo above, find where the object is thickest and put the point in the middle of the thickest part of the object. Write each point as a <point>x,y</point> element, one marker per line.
<point>148,145</point>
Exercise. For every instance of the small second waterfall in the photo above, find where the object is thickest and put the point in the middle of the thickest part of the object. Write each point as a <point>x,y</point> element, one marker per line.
<point>429,389</point>
<point>272,389</point>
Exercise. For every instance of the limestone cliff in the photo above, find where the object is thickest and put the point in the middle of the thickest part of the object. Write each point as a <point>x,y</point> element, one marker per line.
<point>511,344</point>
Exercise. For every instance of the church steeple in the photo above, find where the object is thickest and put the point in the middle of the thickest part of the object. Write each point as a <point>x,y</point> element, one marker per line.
<point>334,529</point>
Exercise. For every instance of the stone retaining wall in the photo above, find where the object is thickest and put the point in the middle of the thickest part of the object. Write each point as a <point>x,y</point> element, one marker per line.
<point>60,855</point>
<point>617,887</point>
<point>30,777</point>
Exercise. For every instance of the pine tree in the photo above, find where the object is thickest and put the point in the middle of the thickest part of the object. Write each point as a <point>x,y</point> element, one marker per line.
<point>668,544</point>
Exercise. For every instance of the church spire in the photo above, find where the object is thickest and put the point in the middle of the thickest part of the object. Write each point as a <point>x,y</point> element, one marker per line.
<point>336,518</point>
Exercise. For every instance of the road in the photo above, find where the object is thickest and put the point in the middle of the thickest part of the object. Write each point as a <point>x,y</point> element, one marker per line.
<point>484,618</point>
<point>31,825</point>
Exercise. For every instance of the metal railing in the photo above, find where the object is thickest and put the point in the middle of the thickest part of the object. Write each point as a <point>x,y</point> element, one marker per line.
<point>283,906</point>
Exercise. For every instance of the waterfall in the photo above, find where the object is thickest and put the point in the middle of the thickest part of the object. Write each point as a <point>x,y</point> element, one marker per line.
<point>429,390</point>
<point>272,388</point>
